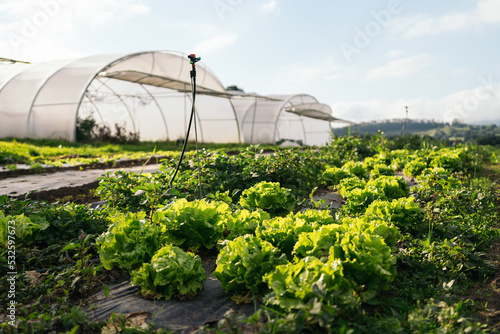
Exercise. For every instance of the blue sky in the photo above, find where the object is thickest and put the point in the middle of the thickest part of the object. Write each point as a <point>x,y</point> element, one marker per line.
<point>366,59</point>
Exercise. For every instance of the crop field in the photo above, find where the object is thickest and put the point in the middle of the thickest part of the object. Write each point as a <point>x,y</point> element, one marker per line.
<point>413,249</point>
<point>39,153</point>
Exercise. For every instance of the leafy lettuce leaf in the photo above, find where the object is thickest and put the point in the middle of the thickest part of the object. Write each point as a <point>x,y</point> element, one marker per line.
<point>243,262</point>
<point>403,212</point>
<point>129,242</point>
<point>304,282</point>
<point>244,222</point>
<point>25,230</point>
<point>270,197</point>
<point>172,272</point>
<point>190,225</point>
<point>318,243</point>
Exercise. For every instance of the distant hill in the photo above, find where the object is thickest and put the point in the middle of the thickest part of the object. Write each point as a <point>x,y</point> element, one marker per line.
<point>482,134</point>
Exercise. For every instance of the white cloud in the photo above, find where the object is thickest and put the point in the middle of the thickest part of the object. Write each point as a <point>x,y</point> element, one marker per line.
<point>215,43</point>
<point>399,67</point>
<point>296,75</point>
<point>18,8</point>
<point>103,12</point>
<point>489,11</point>
<point>93,12</point>
<point>478,105</point>
<point>395,53</point>
<point>269,7</point>
<point>41,30</point>
<point>299,73</point>
<point>486,12</point>
<point>193,27</point>
<point>462,70</point>
<point>40,49</point>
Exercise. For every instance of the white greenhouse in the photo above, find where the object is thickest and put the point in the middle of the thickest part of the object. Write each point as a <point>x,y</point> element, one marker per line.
<point>149,93</point>
<point>276,118</point>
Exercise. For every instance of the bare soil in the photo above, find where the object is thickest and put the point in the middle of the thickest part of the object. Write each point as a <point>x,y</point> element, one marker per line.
<point>4,174</point>
<point>84,194</point>
<point>68,191</point>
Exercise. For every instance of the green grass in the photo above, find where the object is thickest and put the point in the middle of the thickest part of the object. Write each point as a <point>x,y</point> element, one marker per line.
<point>496,151</point>
<point>58,152</point>
<point>491,169</point>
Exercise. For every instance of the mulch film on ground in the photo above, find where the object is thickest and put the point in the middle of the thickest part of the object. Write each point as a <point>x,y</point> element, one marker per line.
<point>211,304</point>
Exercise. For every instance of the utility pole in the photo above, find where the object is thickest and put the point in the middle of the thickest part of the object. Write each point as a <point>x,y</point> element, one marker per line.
<point>404,125</point>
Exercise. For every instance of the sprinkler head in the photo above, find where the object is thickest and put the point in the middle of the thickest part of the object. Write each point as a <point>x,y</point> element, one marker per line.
<point>193,58</point>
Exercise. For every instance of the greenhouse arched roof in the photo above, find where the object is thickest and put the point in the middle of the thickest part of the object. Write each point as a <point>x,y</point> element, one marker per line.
<point>44,100</point>
<point>277,118</point>
<point>149,94</point>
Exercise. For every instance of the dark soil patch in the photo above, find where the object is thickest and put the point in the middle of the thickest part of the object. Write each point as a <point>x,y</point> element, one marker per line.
<point>84,194</point>
<point>101,165</point>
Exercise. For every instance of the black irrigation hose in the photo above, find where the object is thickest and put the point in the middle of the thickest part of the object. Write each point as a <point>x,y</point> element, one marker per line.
<point>193,85</point>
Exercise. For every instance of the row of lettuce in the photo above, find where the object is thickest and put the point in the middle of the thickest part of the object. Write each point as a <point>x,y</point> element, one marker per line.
<point>291,260</point>
<point>316,267</point>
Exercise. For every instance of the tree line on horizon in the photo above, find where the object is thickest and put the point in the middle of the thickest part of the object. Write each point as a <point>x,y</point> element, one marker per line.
<point>456,131</point>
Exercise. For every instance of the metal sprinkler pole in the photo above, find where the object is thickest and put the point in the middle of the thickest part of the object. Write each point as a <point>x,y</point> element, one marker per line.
<point>193,60</point>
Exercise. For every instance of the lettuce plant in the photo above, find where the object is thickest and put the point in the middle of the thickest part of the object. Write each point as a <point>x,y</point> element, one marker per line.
<point>315,218</point>
<point>383,188</point>
<point>244,222</point>
<point>307,281</point>
<point>358,199</point>
<point>270,197</point>
<point>367,261</point>
<point>415,167</point>
<point>348,184</point>
<point>172,272</point>
<point>333,175</point>
<point>373,226</point>
<point>403,212</point>
<point>356,169</point>
<point>243,262</point>
<point>335,263</point>
<point>399,159</point>
<point>451,159</point>
<point>317,243</point>
<point>370,162</point>
<point>381,169</point>
<point>130,241</point>
<point>283,232</point>
<point>25,230</point>
<point>436,171</point>
<point>363,248</point>
<point>393,187</point>
<point>190,225</point>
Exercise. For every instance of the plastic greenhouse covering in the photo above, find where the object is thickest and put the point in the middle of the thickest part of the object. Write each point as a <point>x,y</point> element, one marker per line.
<point>276,118</point>
<point>149,93</point>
